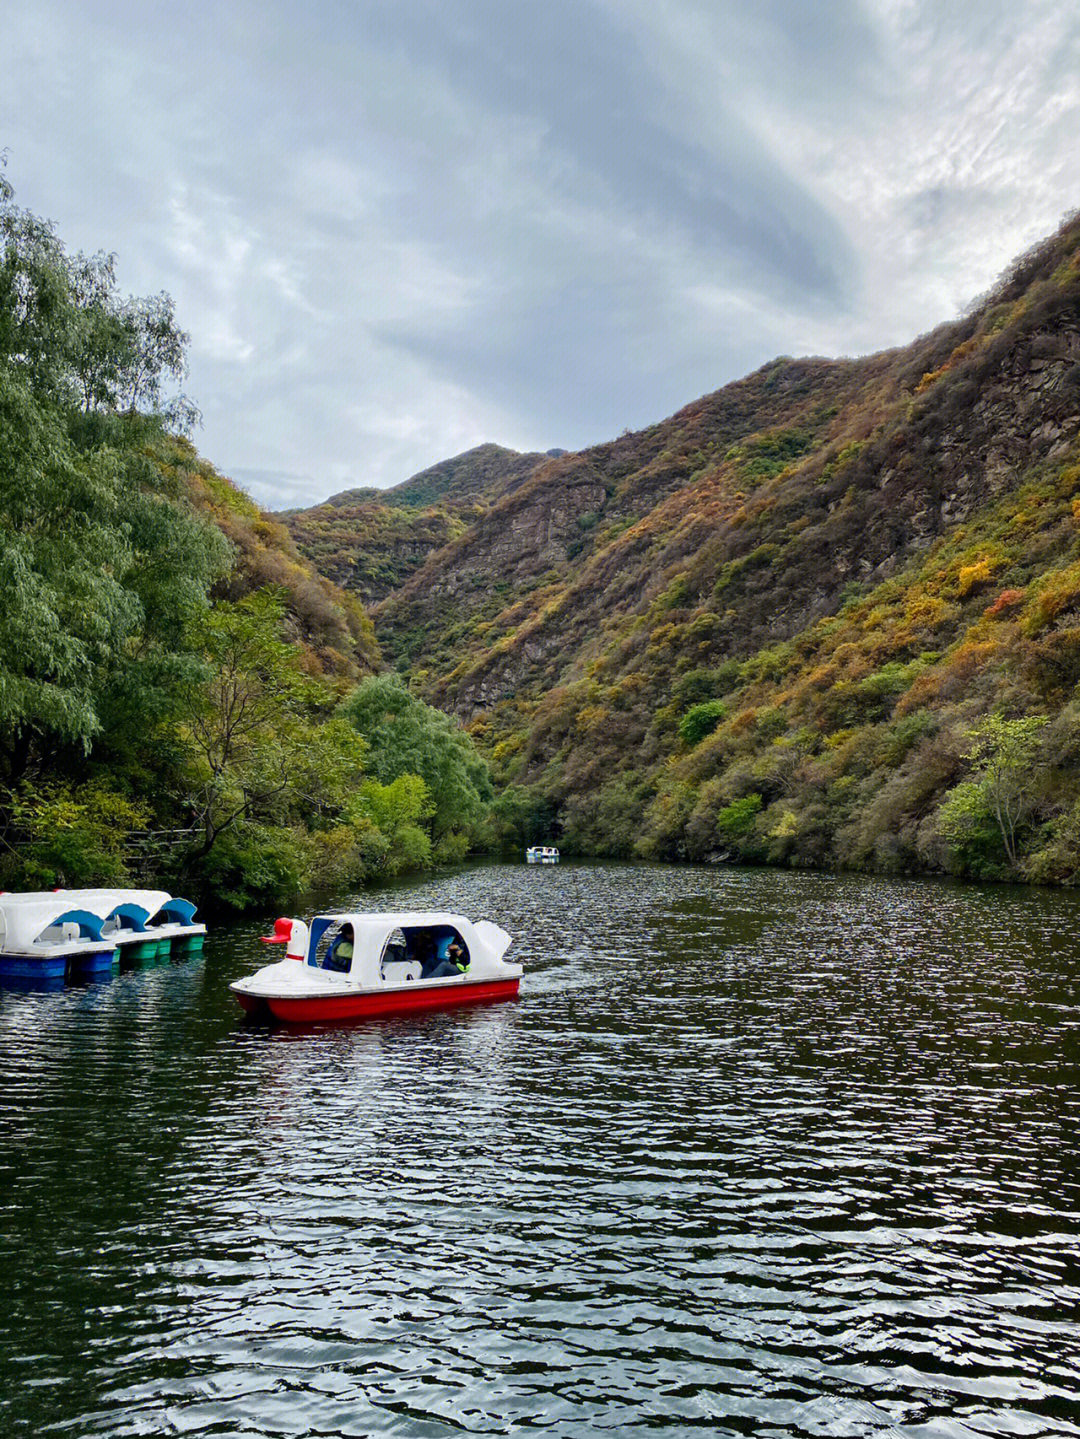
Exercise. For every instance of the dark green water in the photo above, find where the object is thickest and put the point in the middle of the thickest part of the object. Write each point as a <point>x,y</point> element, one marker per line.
<point>756,1153</point>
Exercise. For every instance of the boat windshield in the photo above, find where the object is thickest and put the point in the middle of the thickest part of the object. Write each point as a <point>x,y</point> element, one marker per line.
<point>333,948</point>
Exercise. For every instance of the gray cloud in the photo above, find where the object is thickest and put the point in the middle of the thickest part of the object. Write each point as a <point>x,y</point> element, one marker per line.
<point>397,228</point>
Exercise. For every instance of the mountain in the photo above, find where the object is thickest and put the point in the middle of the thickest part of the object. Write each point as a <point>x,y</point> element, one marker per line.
<point>331,624</point>
<point>371,541</point>
<point>784,623</point>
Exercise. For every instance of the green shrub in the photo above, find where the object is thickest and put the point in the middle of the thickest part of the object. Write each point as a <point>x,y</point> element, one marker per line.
<point>256,866</point>
<point>69,837</point>
<point>700,720</point>
<point>699,684</point>
<point>736,820</point>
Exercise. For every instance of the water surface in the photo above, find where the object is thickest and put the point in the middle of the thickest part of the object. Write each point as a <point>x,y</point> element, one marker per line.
<point>755,1154</point>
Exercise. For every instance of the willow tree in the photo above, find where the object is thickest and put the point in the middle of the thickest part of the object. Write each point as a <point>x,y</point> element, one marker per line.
<point>103,568</point>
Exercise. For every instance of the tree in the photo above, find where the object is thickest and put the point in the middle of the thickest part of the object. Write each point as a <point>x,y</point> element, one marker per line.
<point>700,720</point>
<point>1004,786</point>
<point>64,610</point>
<point>397,810</point>
<point>258,748</point>
<point>407,736</point>
<point>102,571</point>
<point>70,335</point>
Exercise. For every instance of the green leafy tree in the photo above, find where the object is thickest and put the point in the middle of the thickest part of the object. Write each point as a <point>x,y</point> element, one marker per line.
<point>71,336</point>
<point>398,811</point>
<point>700,720</point>
<point>64,610</point>
<point>102,569</point>
<point>736,820</point>
<point>406,736</point>
<point>60,835</point>
<point>259,747</point>
<point>1003,791</point>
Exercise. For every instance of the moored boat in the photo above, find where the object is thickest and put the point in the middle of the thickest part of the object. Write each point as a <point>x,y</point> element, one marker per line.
<point>51,935</point>
<point>347,966</point>
<point>541,854</point>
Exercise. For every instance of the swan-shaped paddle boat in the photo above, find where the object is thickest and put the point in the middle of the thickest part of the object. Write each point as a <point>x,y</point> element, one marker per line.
<point>346,966</point>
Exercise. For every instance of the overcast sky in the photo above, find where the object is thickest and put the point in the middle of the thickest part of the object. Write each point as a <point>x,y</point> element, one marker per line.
<point>398,228</point>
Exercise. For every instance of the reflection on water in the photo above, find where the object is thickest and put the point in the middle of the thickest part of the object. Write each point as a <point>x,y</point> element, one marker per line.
<point>755,1153</point>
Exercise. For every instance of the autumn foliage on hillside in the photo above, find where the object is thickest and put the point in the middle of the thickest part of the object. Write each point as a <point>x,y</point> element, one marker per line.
<point>372,541</point>
<point>829,615</point>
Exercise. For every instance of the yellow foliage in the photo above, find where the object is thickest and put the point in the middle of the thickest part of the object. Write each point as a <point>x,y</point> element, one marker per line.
<point>958,354</point>
<point>969,576</point>
<point>1059,591</point>
<point>971,656</point>
<point>837,738</point>
<point>786,827</point>
<point>593,718</point>
<point>925,611</point>
<point>510,746</point>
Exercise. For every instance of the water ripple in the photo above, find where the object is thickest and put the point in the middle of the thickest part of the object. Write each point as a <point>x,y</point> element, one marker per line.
<point>756,1153</point>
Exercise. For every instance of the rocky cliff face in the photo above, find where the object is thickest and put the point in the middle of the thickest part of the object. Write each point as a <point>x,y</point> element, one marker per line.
<point>766,502</point>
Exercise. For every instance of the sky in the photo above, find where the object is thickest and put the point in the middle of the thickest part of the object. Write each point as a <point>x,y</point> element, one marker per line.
<point>395,229</point>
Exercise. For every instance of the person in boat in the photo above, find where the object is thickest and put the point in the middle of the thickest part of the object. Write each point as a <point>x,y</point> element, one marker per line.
<point>340,955</point>
<point>454,962</point>
<point>422,949</point>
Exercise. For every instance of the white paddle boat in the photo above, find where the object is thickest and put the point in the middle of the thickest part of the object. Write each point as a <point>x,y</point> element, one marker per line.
<point>48,934</point>
<point>346,966</point>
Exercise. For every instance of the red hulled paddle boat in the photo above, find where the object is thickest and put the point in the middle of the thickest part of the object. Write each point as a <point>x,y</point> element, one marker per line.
<point>347,966</point>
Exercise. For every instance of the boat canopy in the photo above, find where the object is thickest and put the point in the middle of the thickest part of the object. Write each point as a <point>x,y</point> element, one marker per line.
<point>51,920</point>
<point>129,916</point>
<point>175,911</point>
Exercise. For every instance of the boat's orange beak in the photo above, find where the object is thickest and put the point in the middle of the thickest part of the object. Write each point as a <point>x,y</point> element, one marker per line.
<point>282,932</point>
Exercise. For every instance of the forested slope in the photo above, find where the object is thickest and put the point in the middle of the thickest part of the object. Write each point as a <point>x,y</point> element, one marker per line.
<point>827,615</point>
<point>179,693</point>
<point>372,541</point>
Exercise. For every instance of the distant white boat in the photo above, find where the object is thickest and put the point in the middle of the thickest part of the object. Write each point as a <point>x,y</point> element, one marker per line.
<point>49,934</point>
<point>542,854</point>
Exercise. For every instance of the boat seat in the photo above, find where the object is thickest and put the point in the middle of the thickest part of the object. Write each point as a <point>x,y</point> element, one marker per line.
<point>401,971</point>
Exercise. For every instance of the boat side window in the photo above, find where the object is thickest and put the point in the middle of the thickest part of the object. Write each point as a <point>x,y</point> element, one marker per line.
<point>451,954</point>
<point>333,947</point>
<point>339,956</point>
<point>396,948</point>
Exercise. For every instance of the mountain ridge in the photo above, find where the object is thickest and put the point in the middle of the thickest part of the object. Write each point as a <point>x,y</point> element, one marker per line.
<point>577,617</point>
<point>370,541</point>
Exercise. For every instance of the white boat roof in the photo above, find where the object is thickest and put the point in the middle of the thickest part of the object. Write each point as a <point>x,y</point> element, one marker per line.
<point>23,917</point>
<point>370,924</point>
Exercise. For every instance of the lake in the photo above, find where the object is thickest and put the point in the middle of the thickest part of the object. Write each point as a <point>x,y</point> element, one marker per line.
<point>755,1153</point>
